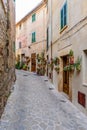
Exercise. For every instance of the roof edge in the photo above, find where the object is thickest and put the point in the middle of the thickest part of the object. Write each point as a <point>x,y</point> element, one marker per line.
<point>33,10</point>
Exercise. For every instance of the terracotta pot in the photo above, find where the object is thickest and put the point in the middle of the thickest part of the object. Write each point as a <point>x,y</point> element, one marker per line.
<point>71,59</point>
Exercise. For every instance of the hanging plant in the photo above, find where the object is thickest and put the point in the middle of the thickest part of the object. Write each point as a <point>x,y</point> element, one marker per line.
<point>57,68</point>
<point>71,57</point>
<point>71,53</point>
<point>78,64</point>
<point>51,65</point>
<point>37,56</point>
<point>41,64</point>
<point>56,61</point>
<point>69,67</point>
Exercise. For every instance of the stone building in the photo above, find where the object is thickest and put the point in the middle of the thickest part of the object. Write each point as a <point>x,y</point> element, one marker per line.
<point>7,43</point>
<point>67,36</point>
<point>31,35</point>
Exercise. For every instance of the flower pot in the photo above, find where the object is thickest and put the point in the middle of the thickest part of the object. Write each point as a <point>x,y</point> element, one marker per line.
<point>71,60</point>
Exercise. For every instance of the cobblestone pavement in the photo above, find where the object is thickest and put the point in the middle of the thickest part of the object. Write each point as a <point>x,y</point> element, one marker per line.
<point>32,106</point>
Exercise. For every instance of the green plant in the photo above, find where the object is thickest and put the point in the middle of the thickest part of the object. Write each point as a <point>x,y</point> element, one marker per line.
<point>41,64</point>
<point>51,65</point>
<point>17,66</point>
<point>56,60</point>
<point>69,67</point>
<point>21,65</point>
<point>57,68</point>
<point>71,53</point>
<point>37,56</point>
<point>78,63</point>
<point>72,67</point>
<point>24,67</point>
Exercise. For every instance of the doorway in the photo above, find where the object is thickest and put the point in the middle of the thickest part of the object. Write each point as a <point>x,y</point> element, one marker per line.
<point>33,62</point>
<point>65,75</point>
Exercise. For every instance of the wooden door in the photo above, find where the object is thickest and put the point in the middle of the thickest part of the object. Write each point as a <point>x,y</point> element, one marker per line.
<point>65,76</point>
<point>33,62</point>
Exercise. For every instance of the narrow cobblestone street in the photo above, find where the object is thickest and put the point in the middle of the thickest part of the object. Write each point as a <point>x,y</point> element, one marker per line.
<point>33,106</point>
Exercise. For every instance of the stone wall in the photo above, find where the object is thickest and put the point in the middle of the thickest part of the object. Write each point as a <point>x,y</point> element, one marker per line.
<point>7,42</point>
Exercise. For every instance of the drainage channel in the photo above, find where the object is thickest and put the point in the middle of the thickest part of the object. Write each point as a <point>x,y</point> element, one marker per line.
<point>51,88</point>
<point>25,75</point>
<point>63,101</point>
<point>46,80</point>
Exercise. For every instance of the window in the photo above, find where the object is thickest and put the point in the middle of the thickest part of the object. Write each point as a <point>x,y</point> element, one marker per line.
<point>33,37</point>
<point>33,17</point>
<point>19,44</point>
<point>85,67</point>
<point>64,16</point>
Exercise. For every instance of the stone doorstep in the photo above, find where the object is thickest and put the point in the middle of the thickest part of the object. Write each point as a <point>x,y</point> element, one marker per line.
<point>65,95</point>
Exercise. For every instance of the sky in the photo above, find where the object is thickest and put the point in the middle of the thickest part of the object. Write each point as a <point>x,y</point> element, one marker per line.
<point>23,7</point>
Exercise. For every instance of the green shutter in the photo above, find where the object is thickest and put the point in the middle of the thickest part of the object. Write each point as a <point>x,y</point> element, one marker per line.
<point>33,37</point>
<point>64,15</point>
<point>61,18</point>
<point>33,17</point>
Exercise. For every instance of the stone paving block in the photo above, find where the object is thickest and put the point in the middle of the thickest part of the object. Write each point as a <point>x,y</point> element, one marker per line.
<point>32,106</point>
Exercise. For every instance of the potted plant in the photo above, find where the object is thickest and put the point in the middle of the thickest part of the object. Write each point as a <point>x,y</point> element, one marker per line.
<point>57,68</point>
<point>71,57</point>
<point>78,64</point>
<point>38,70</point>
<point>24,67</point>
<point>65,68</point>
<point>51,65</point>
<point>56,61</point>
<point>41,64</point>
<point>69,67</point>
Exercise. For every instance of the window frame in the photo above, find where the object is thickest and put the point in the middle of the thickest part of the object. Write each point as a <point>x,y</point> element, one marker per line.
<point>84,63</point>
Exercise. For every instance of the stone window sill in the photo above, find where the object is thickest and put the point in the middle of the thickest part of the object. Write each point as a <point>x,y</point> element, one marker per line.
<point>63,29</point>
<point>85,84</point>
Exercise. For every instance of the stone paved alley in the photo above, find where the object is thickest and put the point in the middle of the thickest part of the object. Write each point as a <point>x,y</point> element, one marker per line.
<point>32,106</point>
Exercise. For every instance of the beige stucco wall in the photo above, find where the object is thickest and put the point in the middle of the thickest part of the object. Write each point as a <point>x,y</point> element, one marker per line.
<point>73,37</point>
<point>39,26</point>
<point>28,27</point>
